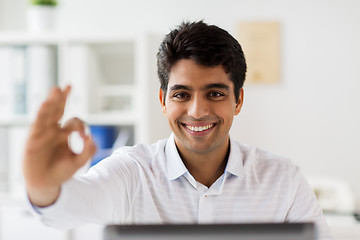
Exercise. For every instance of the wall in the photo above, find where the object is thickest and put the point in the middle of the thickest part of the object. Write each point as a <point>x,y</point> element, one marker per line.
<point>12,14</point>
<point>313,115</point>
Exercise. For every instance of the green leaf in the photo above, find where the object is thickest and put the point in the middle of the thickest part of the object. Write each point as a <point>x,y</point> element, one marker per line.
<point>44,2</point>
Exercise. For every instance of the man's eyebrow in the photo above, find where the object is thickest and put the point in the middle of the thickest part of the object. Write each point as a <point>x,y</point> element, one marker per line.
<point>179,86</point>
<point>209,86</point>
<point>217,85</point>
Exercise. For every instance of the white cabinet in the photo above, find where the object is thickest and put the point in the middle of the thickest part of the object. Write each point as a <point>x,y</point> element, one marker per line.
<point>114,83</point>
<point>113,78</point>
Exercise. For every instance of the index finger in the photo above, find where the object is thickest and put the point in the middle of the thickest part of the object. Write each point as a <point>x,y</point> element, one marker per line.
<point>53,107</point>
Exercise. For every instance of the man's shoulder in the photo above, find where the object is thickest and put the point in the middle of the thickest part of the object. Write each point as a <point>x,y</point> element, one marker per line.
<point>253,156</point>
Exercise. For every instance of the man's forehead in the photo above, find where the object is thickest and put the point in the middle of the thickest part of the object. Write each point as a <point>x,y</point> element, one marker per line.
<point>190,74</point>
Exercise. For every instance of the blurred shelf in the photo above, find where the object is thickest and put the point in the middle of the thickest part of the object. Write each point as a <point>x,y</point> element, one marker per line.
<point>11,121</point>
<point>53,38</point>
<point>112,118</point>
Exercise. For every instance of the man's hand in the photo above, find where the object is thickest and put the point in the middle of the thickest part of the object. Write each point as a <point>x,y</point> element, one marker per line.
<point>48,160</point>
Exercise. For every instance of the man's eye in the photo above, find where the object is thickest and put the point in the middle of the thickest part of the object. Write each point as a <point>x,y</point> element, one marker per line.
<point>181,95</point>
<point>216,94</point>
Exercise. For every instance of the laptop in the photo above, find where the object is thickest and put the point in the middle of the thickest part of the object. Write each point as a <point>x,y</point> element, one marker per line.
<point>261,231</point>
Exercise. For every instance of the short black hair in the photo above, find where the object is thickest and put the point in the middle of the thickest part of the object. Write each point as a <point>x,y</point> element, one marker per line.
<point>207,45</point>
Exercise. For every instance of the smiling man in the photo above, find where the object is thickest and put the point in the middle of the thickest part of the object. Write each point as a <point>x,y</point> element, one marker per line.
<point>198,175</point>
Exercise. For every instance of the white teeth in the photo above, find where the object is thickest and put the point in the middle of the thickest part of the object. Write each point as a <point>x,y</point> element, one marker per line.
<point>200,128</point>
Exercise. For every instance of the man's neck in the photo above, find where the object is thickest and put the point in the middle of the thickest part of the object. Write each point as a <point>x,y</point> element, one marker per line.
<point>206,168</point>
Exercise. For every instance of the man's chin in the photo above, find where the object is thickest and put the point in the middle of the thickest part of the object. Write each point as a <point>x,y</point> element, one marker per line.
<point>199,147</point>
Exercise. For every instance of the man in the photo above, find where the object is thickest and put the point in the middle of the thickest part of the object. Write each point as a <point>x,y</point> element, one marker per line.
<point>198,175</point>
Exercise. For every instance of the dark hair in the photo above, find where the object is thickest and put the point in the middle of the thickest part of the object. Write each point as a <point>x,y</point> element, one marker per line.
<point>207,45</point>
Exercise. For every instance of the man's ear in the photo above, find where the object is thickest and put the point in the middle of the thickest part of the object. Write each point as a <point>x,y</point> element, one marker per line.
<point>239,102</point>
<point>162,100</point>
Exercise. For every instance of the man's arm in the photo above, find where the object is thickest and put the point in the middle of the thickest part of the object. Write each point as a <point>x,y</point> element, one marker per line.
<point>48,160</point>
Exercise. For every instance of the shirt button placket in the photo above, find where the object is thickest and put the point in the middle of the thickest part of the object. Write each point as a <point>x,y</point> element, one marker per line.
<point>205,209</point>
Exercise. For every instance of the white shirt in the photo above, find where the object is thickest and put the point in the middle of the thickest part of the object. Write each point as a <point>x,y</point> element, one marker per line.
<point>150,184</point>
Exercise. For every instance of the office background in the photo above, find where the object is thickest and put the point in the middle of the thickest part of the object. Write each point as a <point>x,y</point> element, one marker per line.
<point>311,116</point>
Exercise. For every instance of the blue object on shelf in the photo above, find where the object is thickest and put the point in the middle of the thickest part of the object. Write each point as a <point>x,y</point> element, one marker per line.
<point>104,138</point>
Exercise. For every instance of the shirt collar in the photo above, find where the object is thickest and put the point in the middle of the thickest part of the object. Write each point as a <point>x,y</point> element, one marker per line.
<point>176,168</point>
<point>174,164</point>
<point>235,164</point>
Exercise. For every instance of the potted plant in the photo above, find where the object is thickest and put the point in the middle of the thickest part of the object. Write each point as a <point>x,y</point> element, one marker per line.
<point>41,15</point>
<point>44,2</point>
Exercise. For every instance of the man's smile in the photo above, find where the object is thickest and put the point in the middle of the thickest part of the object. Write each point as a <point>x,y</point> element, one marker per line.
<point>199,127</point>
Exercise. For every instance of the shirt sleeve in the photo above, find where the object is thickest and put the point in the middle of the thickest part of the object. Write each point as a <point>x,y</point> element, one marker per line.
<point>304,206</point>
<point>90,198</point>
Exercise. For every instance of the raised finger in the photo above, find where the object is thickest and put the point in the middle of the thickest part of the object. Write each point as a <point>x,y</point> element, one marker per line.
<point>52,109</point>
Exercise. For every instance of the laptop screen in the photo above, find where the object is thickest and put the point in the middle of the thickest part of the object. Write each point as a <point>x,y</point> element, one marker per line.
<point>267,231</point>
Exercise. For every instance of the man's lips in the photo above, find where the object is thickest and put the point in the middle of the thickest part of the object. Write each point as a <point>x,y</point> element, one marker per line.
<point>199,127</point>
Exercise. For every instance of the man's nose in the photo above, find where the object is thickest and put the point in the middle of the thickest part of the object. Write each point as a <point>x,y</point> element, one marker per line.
<point>198,107</point>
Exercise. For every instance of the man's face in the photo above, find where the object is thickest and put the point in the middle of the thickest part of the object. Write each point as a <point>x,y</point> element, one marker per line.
<point>200,106</point>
